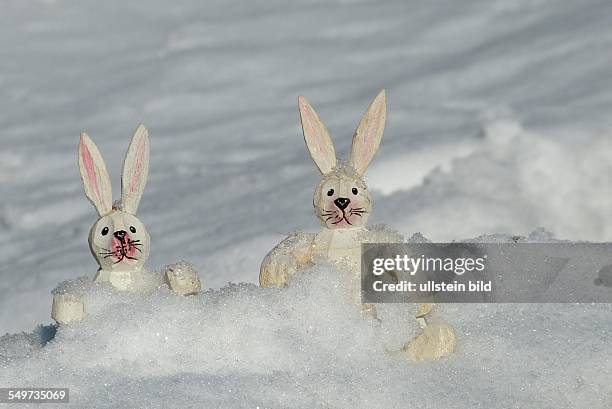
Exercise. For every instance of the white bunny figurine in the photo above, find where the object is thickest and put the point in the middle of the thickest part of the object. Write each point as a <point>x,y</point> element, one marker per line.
<point>343,203</point>
<point>118,240</point>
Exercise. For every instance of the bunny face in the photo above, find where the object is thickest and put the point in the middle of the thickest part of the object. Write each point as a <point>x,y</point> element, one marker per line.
<point>118,240</point>
<point>342,199</point>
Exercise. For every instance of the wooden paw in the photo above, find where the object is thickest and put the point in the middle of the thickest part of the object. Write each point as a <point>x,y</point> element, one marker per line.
<point>436,341</point>
<point>67,308</point>
<point>182,278</point>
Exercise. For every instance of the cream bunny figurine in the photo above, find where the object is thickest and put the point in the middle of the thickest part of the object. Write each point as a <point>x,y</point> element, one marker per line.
<point>343,203</point>
<point>119,241</point>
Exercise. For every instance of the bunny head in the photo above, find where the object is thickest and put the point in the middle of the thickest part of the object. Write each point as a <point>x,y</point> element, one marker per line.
<point>119,241</point>
<point>342,199</point>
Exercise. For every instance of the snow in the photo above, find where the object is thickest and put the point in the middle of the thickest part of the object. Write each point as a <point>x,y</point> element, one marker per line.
<point>310,345</point>
<point>498,122</point>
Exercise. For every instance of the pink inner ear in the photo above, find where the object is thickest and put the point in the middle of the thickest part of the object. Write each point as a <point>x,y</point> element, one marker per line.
<point>91,170</point>
<point>312,129</point>
<point>315,136</point>
<point>137,171</point>
<point>368,148</point>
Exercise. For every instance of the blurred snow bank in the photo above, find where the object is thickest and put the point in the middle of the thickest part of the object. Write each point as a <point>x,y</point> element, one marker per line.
<point>511,181</point>
<point>309,345</point>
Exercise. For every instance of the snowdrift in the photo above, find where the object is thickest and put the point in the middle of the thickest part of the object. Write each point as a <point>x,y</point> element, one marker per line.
<point>309,346</point>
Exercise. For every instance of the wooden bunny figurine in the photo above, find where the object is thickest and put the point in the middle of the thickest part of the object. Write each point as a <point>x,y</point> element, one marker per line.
<point>343,203</point>
<point>119,241</point>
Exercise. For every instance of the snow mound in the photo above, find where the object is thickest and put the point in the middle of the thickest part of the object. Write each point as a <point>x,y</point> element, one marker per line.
<point>513,180</point>
<point>310,345</point>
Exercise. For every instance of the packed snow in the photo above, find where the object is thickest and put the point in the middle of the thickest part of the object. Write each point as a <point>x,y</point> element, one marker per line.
<point>499,121</point>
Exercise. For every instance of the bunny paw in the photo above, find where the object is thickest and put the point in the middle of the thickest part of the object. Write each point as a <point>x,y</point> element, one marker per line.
<point>276,271</point>
<point>436,341</point>
<point>182,278</point>
<point>67,309</point>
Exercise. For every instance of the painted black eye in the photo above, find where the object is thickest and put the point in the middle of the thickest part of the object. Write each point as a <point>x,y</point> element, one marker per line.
<point>105,231</point>
<point>355,191</point>
<point>133,229</point>
<point>330,192</point>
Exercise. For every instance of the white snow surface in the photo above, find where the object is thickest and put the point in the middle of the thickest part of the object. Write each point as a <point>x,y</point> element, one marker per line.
<point>499,122</point>
<point>310,345</point>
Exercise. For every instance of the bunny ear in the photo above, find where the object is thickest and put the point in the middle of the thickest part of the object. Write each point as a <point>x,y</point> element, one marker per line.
<point>135,170</point>
<point>317,137</point>
<point>369,133</point>
<point>95,177</point>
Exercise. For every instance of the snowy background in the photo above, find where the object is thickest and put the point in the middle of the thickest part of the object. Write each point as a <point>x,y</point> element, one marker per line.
<point>500,121</point>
